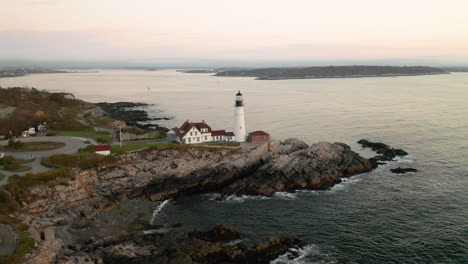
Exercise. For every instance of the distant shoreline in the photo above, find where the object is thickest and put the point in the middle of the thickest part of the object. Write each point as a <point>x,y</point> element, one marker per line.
<point>344,76</point>
<point>331,72</point>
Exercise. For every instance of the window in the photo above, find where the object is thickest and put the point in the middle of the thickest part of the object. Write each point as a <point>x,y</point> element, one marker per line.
<point>189,139</point>
<point>198,139</point>
<point>190,133</point>
<point>206,138</point>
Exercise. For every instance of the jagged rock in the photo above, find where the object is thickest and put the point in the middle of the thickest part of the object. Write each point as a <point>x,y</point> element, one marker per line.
<point>386,152</point>
<point>187,247</point>
<point>218,234</point>
<point>403,170</point>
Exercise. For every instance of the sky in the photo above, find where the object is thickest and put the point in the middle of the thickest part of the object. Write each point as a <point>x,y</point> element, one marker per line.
<point>293,30</point>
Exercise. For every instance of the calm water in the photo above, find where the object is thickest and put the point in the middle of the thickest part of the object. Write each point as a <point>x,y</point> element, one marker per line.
<point>377,217</point>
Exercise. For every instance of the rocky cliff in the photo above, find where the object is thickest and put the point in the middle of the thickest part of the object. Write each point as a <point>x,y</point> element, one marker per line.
<point>161,174</point>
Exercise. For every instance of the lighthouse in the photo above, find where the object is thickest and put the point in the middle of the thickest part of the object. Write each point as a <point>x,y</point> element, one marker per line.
<point>239,123</point>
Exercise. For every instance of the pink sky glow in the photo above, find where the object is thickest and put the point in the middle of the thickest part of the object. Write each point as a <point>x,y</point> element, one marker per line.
<point>241,29</point>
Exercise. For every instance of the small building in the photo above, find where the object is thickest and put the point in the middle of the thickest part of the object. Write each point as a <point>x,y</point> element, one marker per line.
<point>222,135</point>
<point>32,131</point>
<point>42,127</point>
<point>102,149</point>
<point>201,132</point>
<point>258,136</point>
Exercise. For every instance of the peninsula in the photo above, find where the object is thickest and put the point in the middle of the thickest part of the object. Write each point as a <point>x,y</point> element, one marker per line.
<point>331,72</point>
<point>84,208</point>
<point>23,71</point>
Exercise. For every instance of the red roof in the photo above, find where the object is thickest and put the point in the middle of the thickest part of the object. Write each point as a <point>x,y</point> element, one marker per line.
<point>202,125</point>
<point>258,133</point>
<point>186,126</point>
<point>102,147</point>
<point>218,132</point>
<point>221,133</point>
<point>177,131</point>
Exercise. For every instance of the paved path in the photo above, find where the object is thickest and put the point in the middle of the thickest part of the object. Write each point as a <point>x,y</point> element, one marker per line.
<point>8,242</point>
<point>72,144</point>
<point>36,166</point>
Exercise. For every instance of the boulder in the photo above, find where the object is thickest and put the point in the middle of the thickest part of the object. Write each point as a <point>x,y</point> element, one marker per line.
<point>403,170</point>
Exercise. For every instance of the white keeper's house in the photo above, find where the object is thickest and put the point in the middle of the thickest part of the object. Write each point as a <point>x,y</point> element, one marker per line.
<point>194,133</point>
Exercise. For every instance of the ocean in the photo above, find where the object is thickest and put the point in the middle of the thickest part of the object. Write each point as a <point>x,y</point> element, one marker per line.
<point>377,217</point>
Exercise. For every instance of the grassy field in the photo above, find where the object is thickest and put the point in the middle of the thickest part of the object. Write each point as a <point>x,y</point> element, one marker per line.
<point>21,168</point>
<point>100,137</point>
<point>130,147</point>
<point>34,146</point>
<point>2,176</point>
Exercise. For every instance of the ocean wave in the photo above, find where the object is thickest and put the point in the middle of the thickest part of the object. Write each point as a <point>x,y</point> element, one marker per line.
<point>285,195</point>
<point>403,160</point>
<point>158,210</point>
<point>243,198</point>
<point>216,197</point>
<point>344,185</point>
<point>157,231</point>
<point>307,192</point>
<point>310,254</point>
<point>235,242</point>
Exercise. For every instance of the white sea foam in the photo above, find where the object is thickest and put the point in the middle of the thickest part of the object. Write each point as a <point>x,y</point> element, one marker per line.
<point>285,195</point>
<point>344,184</point>
<point>405,159</point>
<point>305,255</point>
<point>307,192</point>
<point>159,209</point>
<point>212,196</point>
<point>157,231</point>
<point>243,198</point>
<point>235,242</point>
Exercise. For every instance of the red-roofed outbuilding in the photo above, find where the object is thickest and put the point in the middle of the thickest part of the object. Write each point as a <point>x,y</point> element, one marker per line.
<point>258,136</point>
<point>103,149</point>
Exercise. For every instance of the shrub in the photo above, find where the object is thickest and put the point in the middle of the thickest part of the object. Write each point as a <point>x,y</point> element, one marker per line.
<point>19,186</point>
<point>102,140</point>
<point>51,134</point>
<point>95,160</point>
<point>10,163</point>
<point>86,150</point>
<point>60,161</point>
<point>14,144</point>
<point>7,203</point>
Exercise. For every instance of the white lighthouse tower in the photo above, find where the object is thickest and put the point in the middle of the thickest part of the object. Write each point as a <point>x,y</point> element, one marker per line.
<point>239,123</point>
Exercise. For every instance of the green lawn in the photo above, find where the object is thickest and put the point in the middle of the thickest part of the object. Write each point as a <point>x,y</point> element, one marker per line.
<point>20,169</point>
<point>6,116</point>
<point>2,106</point>
<point>2,176</point>
<point>129,147</point>
<point>101,137</point>
<point>25,161</point>
<point>34,146</point>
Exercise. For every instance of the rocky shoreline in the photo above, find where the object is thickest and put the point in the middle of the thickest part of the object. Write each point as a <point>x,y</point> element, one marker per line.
<point>133,114</point>
<point>219,245</point>
<point>160,174</point>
